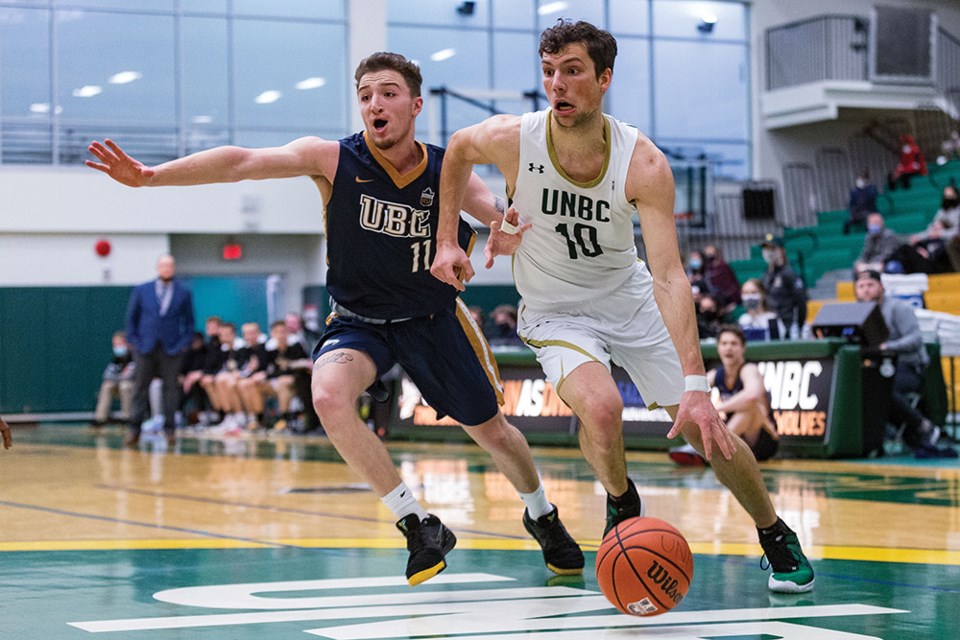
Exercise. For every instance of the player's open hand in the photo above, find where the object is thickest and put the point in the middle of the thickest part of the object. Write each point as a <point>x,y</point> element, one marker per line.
<point>118,165</point>
<point>505,237</point>
<point>696,408</point>
<point>5,432</point>
<point>452,265</point>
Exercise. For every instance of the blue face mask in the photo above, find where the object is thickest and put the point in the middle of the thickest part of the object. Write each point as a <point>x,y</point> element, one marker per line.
<point>695,264</point>
<point>119,351</point>
<point>874,229</point>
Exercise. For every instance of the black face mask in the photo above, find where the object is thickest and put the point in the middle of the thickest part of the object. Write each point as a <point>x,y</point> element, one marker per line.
<point>709,316</point>
<point>950,203</point>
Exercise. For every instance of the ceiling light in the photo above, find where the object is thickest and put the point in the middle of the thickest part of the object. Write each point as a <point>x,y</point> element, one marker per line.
<point>552,7</point>
<point>125,76</point>
<point>40,107</point>
<point>443,54</point>
<point>201,119</point>
<point>267,97</point>
<point>87,91</point>
<point>311,83</point>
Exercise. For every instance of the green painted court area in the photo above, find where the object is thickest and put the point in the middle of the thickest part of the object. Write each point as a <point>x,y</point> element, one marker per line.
<point>354,593</point>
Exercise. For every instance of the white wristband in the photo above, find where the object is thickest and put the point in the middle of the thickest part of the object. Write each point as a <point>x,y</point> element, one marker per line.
<point>508,227</point>
<point>696,383</point>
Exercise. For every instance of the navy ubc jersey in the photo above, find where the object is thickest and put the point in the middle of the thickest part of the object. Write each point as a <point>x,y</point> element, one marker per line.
<point>381,234</point>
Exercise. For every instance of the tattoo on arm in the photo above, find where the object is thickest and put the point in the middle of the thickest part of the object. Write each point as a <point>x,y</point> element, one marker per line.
<point>499,204</point>
<point>337,357</point>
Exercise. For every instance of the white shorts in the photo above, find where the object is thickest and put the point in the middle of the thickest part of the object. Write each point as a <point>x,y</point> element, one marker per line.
<point>624,327</point>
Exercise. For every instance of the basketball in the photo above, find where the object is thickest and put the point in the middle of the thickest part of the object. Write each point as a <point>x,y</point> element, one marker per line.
<point>644,566</point>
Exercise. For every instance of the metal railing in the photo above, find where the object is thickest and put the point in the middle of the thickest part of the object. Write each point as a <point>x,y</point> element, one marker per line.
<point>817,49</point>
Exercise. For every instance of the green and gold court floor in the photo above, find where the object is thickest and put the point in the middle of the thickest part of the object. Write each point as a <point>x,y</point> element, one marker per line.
<point>275,538</point>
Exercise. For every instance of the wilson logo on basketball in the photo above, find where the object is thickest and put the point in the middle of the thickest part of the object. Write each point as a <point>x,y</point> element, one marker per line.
<point>667,583</point>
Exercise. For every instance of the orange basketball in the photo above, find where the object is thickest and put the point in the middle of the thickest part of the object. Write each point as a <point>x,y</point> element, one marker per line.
<point>644,566</point>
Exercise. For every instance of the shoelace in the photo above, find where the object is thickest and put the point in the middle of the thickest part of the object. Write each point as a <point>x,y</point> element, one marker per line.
<point>785,550</point>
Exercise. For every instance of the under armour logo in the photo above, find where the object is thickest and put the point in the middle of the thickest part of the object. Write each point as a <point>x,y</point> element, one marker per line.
<point>535,167</point>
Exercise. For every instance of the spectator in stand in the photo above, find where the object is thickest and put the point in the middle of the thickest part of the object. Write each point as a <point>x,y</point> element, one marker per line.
<point>721,280</point>
<point>502,326</point>
<point>944,228</point>
<point>786,292</point>
<point>863,201</point>
<point>759,322</point>
<point>905,340</point>
<point>117,381</point>
<point>695,270</point>
<point>912,163</point>
<point>476,313</point>
<point>710,317</point>
<point>950,148</point>
<point>878,247</point>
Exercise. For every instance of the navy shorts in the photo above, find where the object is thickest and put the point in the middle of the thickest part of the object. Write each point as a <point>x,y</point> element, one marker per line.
<point>445,355</point>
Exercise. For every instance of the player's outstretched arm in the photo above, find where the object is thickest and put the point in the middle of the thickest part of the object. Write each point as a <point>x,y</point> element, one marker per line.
<point>309,156</point>
<point>650,187</point>
<point>485,143</point>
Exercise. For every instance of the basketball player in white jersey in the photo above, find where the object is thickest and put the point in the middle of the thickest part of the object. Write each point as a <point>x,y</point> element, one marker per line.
<point>576,177</point>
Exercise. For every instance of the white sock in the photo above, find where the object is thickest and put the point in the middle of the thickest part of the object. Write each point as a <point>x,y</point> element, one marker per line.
<point>537,504</point>
<point>402,502</point>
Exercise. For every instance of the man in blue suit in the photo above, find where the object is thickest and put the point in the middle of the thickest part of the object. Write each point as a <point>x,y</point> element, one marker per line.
<point>159,329</point>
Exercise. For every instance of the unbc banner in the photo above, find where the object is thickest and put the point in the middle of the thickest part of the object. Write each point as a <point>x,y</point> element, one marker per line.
<point>799,395</point>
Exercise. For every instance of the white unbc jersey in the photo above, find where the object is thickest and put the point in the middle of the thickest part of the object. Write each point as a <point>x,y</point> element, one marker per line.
<point>581,245</point>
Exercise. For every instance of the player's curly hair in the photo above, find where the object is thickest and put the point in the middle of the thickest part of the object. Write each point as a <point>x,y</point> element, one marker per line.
<point>601,46</point>
<point>395,62</point>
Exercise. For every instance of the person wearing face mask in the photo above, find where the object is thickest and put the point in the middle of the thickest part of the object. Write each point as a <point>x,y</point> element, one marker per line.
<point>695,270</point>
<point>863,200</point>
<point>912,163</point>
<point>721,280</point>
<point>117,381</point>
<point>710,317</point>
<point>759,322</point>
<point>786,291</point>
<point>878,247</point>
<point>939,243</point>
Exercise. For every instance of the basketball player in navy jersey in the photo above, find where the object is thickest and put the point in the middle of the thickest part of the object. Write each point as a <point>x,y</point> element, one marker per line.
<point>381,206</point>
<point>576,178</point>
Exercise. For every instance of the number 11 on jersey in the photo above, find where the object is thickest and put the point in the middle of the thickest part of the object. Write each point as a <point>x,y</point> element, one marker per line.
<point>421,255</point>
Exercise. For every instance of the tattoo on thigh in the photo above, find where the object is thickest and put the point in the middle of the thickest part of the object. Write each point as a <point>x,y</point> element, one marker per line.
<point>337,357</point>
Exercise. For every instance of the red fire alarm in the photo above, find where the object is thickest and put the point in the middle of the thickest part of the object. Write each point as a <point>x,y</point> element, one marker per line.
<point>232,251</point>
<point>102,247</point>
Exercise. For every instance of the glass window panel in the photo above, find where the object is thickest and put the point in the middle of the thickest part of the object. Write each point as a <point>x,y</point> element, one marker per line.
<point>25,63</point>
<point>630,17</point>
<point>203,6</point>
<point>129,5</point>
<point>437,13</point>
<point>467,71</point>
<point>727,160</point>
<point>681,17</point>
<point>256,138</point>
<point>514,14</point>
<point>701,90</point>
<point>516,66</point>
<point>274,57</point>
<point>628,98</point>
<point>324,9</point>
<point>205,72</point>
<point>26,108</point>
<point>588,10</point>
<point>139,44</point>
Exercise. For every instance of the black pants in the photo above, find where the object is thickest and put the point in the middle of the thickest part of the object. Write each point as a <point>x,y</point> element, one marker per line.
<point>156,364</point>
<point>908,379</point>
